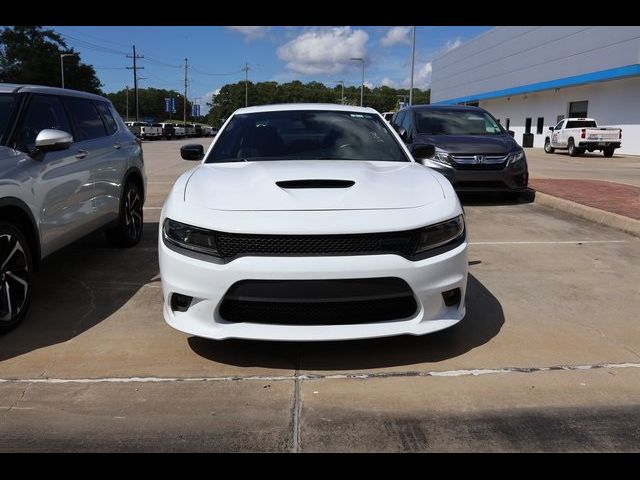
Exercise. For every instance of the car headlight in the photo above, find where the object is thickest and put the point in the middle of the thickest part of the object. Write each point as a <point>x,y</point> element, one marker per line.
<point>516,157</point>
<point>441,157</point>
<point>435,236</point>
<point>189,237</point>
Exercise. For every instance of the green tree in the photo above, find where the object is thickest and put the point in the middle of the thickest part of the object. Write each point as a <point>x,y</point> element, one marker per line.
<point>32,55</point>
<point>150,104</point>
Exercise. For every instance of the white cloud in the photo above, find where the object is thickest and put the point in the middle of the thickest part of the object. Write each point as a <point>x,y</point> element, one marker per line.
<point>369,85</point>
<point>387,82</point>
<point>208,96</point>
<point>251,33</point>
<point>421,78</point>
<point>452,44</point>
<point>324,51</point>
<point>396,35</point>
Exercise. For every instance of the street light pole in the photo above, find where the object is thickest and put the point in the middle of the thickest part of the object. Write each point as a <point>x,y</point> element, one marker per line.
<point>341,82</point>
<point>413,61</point>
<point>127,103</point>
<point>362,83</point>
<point>62,55</point>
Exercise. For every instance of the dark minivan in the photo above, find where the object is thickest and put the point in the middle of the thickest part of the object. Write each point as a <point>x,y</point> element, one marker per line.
<point>471,148</point>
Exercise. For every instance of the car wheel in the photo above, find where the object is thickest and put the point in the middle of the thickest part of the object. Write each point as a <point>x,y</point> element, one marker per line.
<point>608,152</point>
<point>547,147</point>
<point>16,267</point>
<point>573,151</point>
<point>129,229</point>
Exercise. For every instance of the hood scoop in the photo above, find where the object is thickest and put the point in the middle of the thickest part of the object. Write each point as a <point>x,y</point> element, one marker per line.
<point>315,183</point>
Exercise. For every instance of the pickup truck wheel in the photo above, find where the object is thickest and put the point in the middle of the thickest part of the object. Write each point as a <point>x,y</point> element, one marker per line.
<point>608,152</point>
<point>571,148</point>
<point>15,276</point>
<point>547,146</point>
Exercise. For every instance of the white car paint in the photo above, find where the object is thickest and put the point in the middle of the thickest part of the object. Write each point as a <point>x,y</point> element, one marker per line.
<point>241,197</point>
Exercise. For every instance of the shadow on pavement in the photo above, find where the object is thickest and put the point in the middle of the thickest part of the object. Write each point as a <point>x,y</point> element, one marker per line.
<point>80,286</point>
<point>483,321</point>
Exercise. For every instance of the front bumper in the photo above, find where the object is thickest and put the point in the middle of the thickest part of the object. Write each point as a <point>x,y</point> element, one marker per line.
<point>513,178</point>
<point>207,282</point>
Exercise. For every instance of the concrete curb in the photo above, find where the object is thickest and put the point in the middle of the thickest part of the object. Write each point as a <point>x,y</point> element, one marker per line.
<point>610,219</point>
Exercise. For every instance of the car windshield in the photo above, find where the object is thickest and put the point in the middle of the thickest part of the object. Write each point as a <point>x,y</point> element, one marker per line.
<point>306,135</point>
<point>456,122</point>
<point>7,104</point>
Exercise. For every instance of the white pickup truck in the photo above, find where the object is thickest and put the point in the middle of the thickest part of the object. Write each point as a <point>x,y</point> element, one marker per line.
<point>578,135</point>
<point>145,130</point>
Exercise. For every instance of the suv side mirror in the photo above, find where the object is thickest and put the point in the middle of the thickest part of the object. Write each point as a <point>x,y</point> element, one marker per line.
<point>49,140</point>
<point>420,152</point>
<point>192,151</point>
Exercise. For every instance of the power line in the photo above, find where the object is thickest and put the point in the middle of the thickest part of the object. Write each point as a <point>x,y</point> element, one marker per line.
<point>196,70</point>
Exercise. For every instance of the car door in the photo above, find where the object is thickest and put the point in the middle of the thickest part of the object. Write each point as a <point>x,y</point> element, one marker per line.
<point>101,156</point>
<point>61,183</point>
<point>557,138</point>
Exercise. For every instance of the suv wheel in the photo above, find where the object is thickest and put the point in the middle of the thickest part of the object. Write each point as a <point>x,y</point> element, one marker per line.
<point>129,229</point>
<point>547,146</point>
<point>16,267</point>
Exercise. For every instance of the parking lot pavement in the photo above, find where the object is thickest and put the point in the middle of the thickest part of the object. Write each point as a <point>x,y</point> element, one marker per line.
<point>547,358</point>
<point>594,166</point>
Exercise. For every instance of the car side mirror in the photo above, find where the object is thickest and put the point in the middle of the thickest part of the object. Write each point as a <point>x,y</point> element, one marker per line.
<point>192,151</point>
<point>421,152</point>
<point>511,132</point>
<point>49,140</point>
<point>551,128</point>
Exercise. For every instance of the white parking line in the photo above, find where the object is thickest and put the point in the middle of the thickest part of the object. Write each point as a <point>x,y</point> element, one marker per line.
<point>568,242</point>
<point>153,208</point>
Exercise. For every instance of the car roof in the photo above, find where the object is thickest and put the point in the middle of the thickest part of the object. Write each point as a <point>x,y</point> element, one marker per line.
<point>284,107</point>
<point>19,88</point>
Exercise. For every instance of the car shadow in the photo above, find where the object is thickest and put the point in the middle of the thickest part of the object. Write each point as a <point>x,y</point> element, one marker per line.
<point>494,198</point>
<point>78,287</point>
<point>483,321</point>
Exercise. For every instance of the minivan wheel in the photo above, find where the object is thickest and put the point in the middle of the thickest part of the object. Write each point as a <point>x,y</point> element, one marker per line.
<point>129,229</point>
<point>547,146</point>
<point>16,267</point>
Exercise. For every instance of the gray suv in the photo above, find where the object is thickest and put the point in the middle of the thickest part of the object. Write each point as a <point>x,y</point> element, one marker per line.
<point>69,166</point>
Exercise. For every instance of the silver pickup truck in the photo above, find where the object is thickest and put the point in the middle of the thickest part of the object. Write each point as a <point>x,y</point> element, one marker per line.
<point>578,135</point>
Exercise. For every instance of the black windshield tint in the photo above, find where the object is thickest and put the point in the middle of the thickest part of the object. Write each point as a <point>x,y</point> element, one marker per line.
<point>306,135</point>
<point>7,104</point>
<point>456,122</point>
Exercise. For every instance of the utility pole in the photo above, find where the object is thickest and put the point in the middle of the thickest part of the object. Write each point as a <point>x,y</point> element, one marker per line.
<point>184,107</point>
<point>246,84</point>
<point>127,114</point>
<point>341,82</point>
<point>135,69</point>
<point>413,62</point>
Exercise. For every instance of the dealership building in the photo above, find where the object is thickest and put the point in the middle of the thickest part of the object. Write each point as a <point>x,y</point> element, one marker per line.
<point>530,78</point>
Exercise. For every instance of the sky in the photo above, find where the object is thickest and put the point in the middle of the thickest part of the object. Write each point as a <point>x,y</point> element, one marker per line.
<point>216,55</point>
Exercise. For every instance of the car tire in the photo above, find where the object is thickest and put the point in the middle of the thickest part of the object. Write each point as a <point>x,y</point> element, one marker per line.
<point>130,221</point>
<point>16,276</point>
<point>608,152</point>
<point>547,146</point>
<point>571,148</point>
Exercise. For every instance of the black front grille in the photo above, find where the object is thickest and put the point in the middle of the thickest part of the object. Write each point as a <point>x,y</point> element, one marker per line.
<point>482,166</point>
<point>318,302</point>
<point>232,245</point>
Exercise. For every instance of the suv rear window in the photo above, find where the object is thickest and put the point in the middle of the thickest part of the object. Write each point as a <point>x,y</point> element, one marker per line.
<point>108,119</point>
<point>86,118</point>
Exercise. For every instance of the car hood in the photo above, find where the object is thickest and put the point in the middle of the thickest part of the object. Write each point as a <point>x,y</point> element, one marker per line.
<point>471,144</point>
<point>251,186</point>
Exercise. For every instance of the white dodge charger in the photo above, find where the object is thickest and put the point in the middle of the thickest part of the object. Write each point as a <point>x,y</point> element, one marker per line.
<point>311,222</point>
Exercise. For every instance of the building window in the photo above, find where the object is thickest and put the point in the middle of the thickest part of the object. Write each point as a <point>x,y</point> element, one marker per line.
<point>578,109</point>
<point>527,125</point>
<point>508,123</point>
<point>540,125</point>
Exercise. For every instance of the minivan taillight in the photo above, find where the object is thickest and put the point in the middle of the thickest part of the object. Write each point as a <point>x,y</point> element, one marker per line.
<point>584,133</point>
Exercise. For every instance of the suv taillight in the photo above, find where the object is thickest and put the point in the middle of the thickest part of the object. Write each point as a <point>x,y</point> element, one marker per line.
<point>583,133</point>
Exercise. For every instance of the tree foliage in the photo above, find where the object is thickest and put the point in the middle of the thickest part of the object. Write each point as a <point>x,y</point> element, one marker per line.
<point>32,55</point>
<point>150,104</point>
<point>232,96</point>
